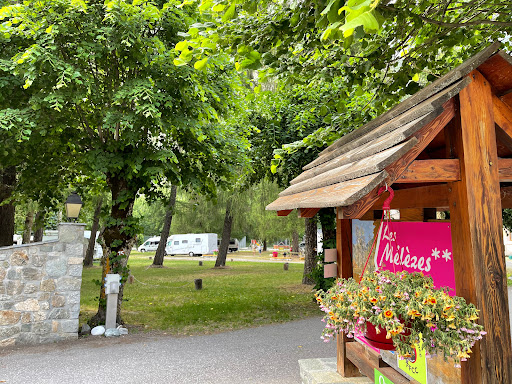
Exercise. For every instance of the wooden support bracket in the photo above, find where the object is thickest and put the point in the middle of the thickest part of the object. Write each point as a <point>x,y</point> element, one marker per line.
<point>308,212</point>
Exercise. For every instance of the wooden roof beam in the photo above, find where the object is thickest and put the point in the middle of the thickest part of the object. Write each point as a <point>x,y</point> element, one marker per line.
<point>431,171</point>
<point>284,212</point>
<point>503,117</point>
<point>431,196</point>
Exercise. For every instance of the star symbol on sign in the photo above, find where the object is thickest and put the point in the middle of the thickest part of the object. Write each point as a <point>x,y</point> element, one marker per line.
<point>446,255</point>
<point>435,253</point>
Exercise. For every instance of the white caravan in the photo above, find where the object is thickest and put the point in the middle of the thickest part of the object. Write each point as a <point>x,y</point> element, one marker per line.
<point>192,244</point>
<point>150,244</point>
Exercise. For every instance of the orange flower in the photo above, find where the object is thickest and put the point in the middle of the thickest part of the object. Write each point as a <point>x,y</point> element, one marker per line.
<point>388,313</point>
<point>373,300</point>
<point>432,300</point>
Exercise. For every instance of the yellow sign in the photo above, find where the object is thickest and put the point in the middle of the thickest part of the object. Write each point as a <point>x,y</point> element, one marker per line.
<point>416,367</point>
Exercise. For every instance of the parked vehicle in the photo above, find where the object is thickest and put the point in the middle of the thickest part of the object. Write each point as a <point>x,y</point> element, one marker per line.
<point>233,245</point>
<point>192,244</point>
<point>150,244</point>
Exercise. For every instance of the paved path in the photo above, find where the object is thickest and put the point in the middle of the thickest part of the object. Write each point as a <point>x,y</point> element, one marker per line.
<point>263,355</point>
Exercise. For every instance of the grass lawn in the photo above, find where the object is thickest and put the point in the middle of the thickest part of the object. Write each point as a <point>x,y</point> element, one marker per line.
<point>242,295</point>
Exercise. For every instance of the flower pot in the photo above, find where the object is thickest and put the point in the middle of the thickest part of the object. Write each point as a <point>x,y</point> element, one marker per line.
<point>378,340</point>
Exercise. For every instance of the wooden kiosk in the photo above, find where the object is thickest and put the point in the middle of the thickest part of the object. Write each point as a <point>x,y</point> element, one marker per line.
<point>448,148</point>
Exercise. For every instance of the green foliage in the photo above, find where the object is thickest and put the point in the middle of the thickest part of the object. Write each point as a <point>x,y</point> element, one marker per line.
<point>317,274</point>
<point>507,219</point>
<point>376,52</point>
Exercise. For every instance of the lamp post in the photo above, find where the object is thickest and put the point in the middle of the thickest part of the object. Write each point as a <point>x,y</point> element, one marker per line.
<point>73,205</point>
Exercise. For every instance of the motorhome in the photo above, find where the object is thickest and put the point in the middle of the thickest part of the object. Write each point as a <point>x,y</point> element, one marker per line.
<point>150,244</point>
<point>233,245</point>
<point>192,244</point>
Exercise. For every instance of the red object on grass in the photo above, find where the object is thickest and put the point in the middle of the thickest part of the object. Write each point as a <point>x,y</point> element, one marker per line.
<point>274,254</point>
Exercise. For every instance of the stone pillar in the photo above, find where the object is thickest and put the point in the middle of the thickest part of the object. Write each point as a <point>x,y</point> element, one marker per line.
<point>40,289</point>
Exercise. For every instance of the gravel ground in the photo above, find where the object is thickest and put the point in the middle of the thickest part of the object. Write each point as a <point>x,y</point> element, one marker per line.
<point>264,355</point>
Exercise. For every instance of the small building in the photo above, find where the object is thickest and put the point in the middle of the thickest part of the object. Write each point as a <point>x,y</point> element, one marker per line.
<point>446,148</point>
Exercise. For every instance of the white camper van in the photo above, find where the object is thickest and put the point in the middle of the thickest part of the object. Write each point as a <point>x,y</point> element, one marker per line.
<point>192,244</point>
<point>150,244</point>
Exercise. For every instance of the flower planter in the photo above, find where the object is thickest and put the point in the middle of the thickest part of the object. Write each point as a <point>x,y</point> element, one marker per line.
<point>378,340</point>
<point>447,323</point>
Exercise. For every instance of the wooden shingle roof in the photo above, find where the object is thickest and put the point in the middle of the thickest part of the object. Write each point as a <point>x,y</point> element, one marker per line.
<point>380,151</point>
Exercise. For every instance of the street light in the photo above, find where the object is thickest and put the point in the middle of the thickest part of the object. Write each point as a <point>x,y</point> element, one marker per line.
<point>73,205</point>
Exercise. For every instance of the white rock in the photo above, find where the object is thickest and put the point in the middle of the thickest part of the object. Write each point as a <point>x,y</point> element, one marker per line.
<point>98,331</point>
<point>112,332</point>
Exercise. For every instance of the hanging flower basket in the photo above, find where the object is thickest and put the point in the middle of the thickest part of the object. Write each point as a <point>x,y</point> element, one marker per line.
<point>395,311</point>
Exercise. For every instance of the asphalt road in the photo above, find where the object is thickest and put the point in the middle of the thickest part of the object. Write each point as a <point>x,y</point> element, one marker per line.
<point>263,355</point>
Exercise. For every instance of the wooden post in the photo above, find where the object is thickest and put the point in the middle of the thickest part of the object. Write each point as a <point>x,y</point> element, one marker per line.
<point>478,252</point>
<point>344,247</point>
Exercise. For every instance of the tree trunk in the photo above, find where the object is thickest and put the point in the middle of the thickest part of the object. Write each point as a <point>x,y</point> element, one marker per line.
<point>295,241</point>
<point>328,222</point>
<point>226,235</point>
<point>119,237</point>
<point>89,255</point>
<point>27,231</point>
<point>7,181</point>
<point>310,251</point>
<point>158,261</point>
<point>39,226</point>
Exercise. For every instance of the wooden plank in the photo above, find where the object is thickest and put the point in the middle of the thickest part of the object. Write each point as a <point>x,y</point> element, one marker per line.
<point>379,144</point>
<point>284,212</point>
<point>364,167</point>
<point>429,105</point>
<point>506,197</point>
<point>479,235</point>
<point>432,196</point>
<point>503,118</point>
<point>507,99</point>
<point>498,71</point>
<point>505,170</point>
<point>424,136</point>
<point>395,376</point>
<point>436,86</point>
<point>308,212</point>
<point>335,195</point>
<point>355,353</point>
<point>431,171</point>
<point>345,267</point>
<point>411,214</point>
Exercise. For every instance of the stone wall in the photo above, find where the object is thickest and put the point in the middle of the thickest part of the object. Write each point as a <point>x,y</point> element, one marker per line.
<point>40,289</point>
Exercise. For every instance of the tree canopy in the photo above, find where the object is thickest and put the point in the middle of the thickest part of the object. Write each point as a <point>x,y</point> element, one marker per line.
<point>100,76</point>
<point>377,52</point>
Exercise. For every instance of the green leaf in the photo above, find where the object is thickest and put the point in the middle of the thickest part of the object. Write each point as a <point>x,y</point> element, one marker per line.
<point>201,64</point>
<point>230,13</point>
<point>219,7</point>
<point>181,45</point>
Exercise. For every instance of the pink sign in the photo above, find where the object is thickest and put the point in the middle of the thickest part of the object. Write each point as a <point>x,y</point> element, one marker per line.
<point>417,247</point>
